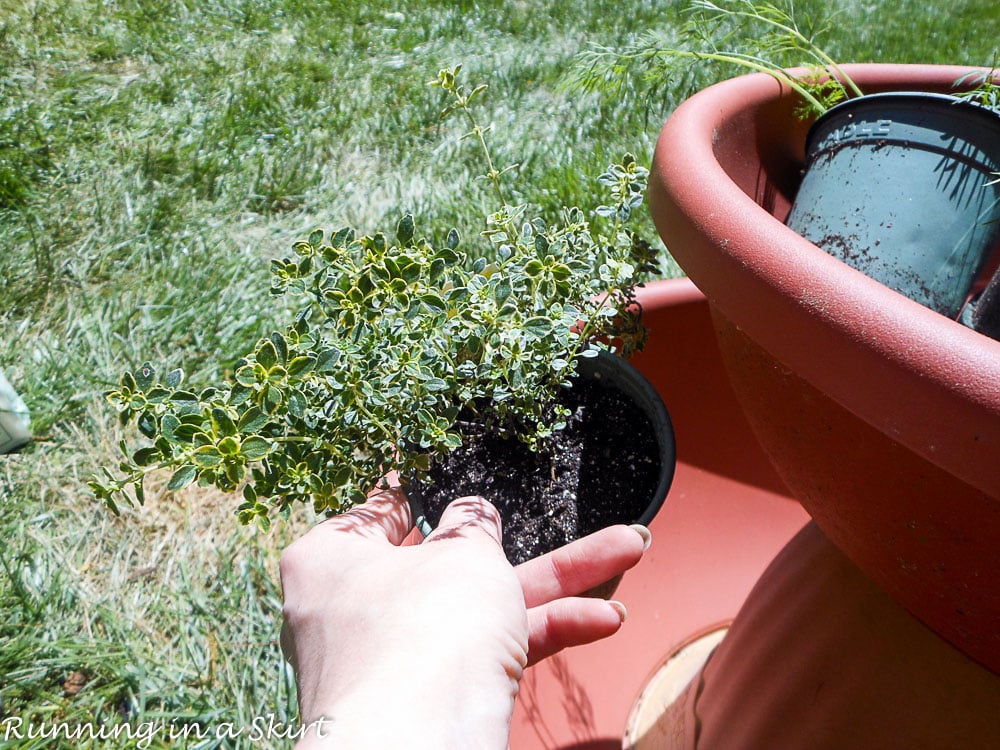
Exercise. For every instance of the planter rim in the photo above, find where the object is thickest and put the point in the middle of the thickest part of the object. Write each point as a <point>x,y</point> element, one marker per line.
<point>629,381</point>
<point>904,369</point>
<point>916,100</point>
<point>903,95</point>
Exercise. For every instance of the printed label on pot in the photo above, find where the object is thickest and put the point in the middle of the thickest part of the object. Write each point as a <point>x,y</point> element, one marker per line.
<point>856,131</point>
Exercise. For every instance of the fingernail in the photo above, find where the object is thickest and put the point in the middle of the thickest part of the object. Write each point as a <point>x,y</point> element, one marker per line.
<point>647,536</point>
<point>620,609</point>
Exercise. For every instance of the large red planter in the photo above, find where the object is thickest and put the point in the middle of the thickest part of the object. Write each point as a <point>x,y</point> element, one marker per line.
<point>881,416</point>
<point>726,517</point>
<point>820,657</point>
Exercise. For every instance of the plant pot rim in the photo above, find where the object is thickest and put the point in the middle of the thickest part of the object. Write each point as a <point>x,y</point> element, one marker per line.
<point>632,383</point>
<point>903,96</point>
<point>916,101</point>
<point>896,185</point>
<point>926,381</point>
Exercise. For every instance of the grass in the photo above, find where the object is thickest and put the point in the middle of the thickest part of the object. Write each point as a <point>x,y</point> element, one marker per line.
<point>154,156</point>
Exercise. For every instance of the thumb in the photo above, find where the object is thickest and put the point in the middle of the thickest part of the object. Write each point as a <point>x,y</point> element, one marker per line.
<point>469,518</point>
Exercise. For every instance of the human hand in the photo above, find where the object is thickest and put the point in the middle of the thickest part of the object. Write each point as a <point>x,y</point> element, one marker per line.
<point>423,645</point>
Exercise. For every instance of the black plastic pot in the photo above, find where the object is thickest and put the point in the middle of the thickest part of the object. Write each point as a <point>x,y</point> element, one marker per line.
<point>897,186</point>
<point>613,373</point>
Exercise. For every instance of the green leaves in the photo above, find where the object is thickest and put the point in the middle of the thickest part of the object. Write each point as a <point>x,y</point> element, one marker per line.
<point>755,35</point>
<point>251,421</point>
<point>404,230</point>
<point>256,448</point>
<point>538,327</point>
<point>627,182</point>
<point>183,477</point>
<point>390,339</point>
<point>266,354</point>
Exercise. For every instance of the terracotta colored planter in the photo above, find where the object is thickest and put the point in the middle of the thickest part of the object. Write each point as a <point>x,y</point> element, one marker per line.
<point>820,657</point>
<point>881,416</point>
<point>726,517</point>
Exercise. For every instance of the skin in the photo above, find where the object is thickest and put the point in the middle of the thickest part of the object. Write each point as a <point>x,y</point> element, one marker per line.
<point>423,645</point>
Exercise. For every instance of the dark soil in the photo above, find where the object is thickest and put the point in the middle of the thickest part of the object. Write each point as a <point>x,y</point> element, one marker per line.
<point>603,469</point>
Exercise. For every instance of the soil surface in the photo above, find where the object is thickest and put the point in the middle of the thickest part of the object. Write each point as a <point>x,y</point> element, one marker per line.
<point>603,469</point>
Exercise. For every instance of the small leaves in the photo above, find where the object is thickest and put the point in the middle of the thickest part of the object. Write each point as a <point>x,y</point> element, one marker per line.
<point>222,423</point>
<point>390,340</point>
<point>280,346</point>
<point>145,377</point>
<point>404,230</point>
<point>538,327</point>
<point>206,457</point>
<point>229,447</point>
<point>147,424</point>
<point>145,456</point>
<point>183,477</point>
<point>300,366</point>
<point>432,302</point>
<point>252,420</point>
<point>266,354</point>
<point>436,385</point>
<point>256,448</point>
<point>327,359</point>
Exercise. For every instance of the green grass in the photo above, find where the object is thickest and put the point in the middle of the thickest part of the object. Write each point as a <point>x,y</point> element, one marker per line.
<point>154,155</point>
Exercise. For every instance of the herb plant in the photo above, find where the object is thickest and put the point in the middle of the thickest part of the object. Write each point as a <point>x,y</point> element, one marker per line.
<point>749,34</point>
<point>393,338</point>
<point>982,87</point>
<point>752,35</point>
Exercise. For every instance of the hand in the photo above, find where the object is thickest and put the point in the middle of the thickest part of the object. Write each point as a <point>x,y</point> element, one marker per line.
<point>423,645</point>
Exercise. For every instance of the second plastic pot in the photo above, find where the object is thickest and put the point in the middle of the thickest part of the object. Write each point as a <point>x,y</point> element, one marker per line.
<point>902,187</point>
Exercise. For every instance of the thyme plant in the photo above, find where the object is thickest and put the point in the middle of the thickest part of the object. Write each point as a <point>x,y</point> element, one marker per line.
<point>392,340</point>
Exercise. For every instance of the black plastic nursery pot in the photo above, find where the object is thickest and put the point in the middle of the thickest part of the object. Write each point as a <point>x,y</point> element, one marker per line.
<point>613,463</point>
<point>898,185</point>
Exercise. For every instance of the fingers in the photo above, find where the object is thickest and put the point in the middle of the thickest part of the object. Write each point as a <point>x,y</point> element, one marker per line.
<point>385,515</point>
<point>582,565</point>
<point>467,517</point>
<point>570,622</point>
<point>384,518</point>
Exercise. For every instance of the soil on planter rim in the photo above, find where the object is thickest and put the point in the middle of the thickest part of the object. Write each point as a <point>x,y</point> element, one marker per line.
<point>603,469</point>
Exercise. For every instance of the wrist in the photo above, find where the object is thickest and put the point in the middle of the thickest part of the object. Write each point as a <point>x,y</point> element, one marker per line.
<point>451,705</point>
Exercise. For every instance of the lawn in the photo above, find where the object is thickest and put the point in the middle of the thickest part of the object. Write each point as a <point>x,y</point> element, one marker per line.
<point>154,156</point>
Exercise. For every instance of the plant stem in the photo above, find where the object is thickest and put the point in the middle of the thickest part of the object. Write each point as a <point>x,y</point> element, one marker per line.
<point>754,64</point>
<point>492,173</point>
<point>801,42</point>
<point>588,329</point>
